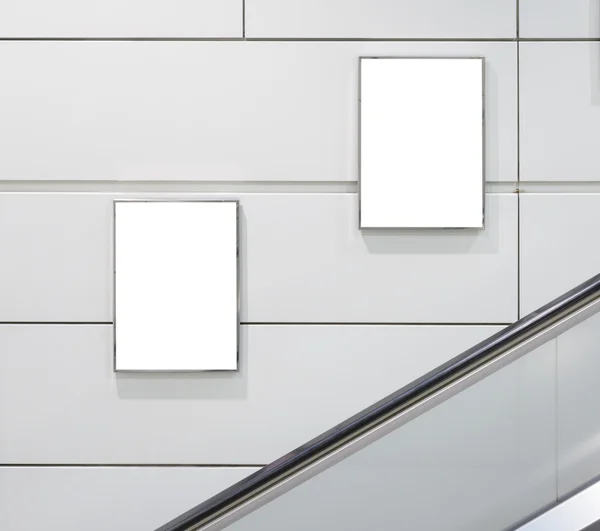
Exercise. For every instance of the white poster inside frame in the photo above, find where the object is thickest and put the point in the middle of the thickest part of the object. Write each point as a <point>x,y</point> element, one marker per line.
<point>176,285</point>
<point>421,142</point>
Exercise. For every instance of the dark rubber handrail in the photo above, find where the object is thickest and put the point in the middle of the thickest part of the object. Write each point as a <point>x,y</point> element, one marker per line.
<point>445,373</point>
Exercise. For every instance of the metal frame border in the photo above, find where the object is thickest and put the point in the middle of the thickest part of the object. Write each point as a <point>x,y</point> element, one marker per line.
<point>237,280</point>
<point>483,141</point>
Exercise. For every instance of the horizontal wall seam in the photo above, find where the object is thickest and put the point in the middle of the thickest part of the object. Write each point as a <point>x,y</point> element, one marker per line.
<point>179,187</point>
<point>301,39</point>
<point>265,323</point>
<point>103,323</point>
<point>357,323</point>
<point>134,188</point>
<point>123,39</point>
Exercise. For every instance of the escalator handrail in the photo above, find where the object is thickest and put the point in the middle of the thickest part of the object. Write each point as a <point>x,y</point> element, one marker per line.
<point>355,424</point>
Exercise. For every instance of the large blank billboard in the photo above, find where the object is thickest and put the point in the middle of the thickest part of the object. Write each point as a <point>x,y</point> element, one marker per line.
<point>176,285</point>
<point>421,143</point>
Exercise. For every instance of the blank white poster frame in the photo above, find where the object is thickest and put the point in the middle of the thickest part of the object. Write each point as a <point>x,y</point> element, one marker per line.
<point>231,363</point>
<point>407,196</point>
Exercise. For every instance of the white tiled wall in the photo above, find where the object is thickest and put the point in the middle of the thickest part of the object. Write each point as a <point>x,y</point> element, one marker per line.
<point>381,19</point>
<point>121,18</point>
<point>560,113</point>
<point>558,249</point>
<point>302,260</point>
<point>101,498</point>
<point>211,110</point>
<point>559,19</point>
<point>56,258</point>
<point>258,100</point>
<point>91,416</point>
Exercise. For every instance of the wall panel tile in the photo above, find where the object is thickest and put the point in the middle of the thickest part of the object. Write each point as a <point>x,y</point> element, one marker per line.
<point>125,18</point>
<point>381,18</point>
<point>560,111</point>
<point>97,499</point>
<point>211,111</point>
<point>558,248</point>
<point>56,260</point>
<point>559,18</point>
<point>303,259</point>
<point>60,401</point>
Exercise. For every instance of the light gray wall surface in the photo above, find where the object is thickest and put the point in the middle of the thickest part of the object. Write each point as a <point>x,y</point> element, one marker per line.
<point>102,498</point>
<point>211,110</point>
<point>554,109</point>
<point>380,19</point>
<point>558,244</point>
<point>323,375</point>
<point>258,100</point>
<point>302,259</point>
<point>56,258</point>
<point>121,18</point>
<point>559,18</point>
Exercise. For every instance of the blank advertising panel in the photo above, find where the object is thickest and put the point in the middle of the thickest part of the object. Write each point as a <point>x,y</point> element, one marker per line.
<point>176,285</point>
<point>421,143</point>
